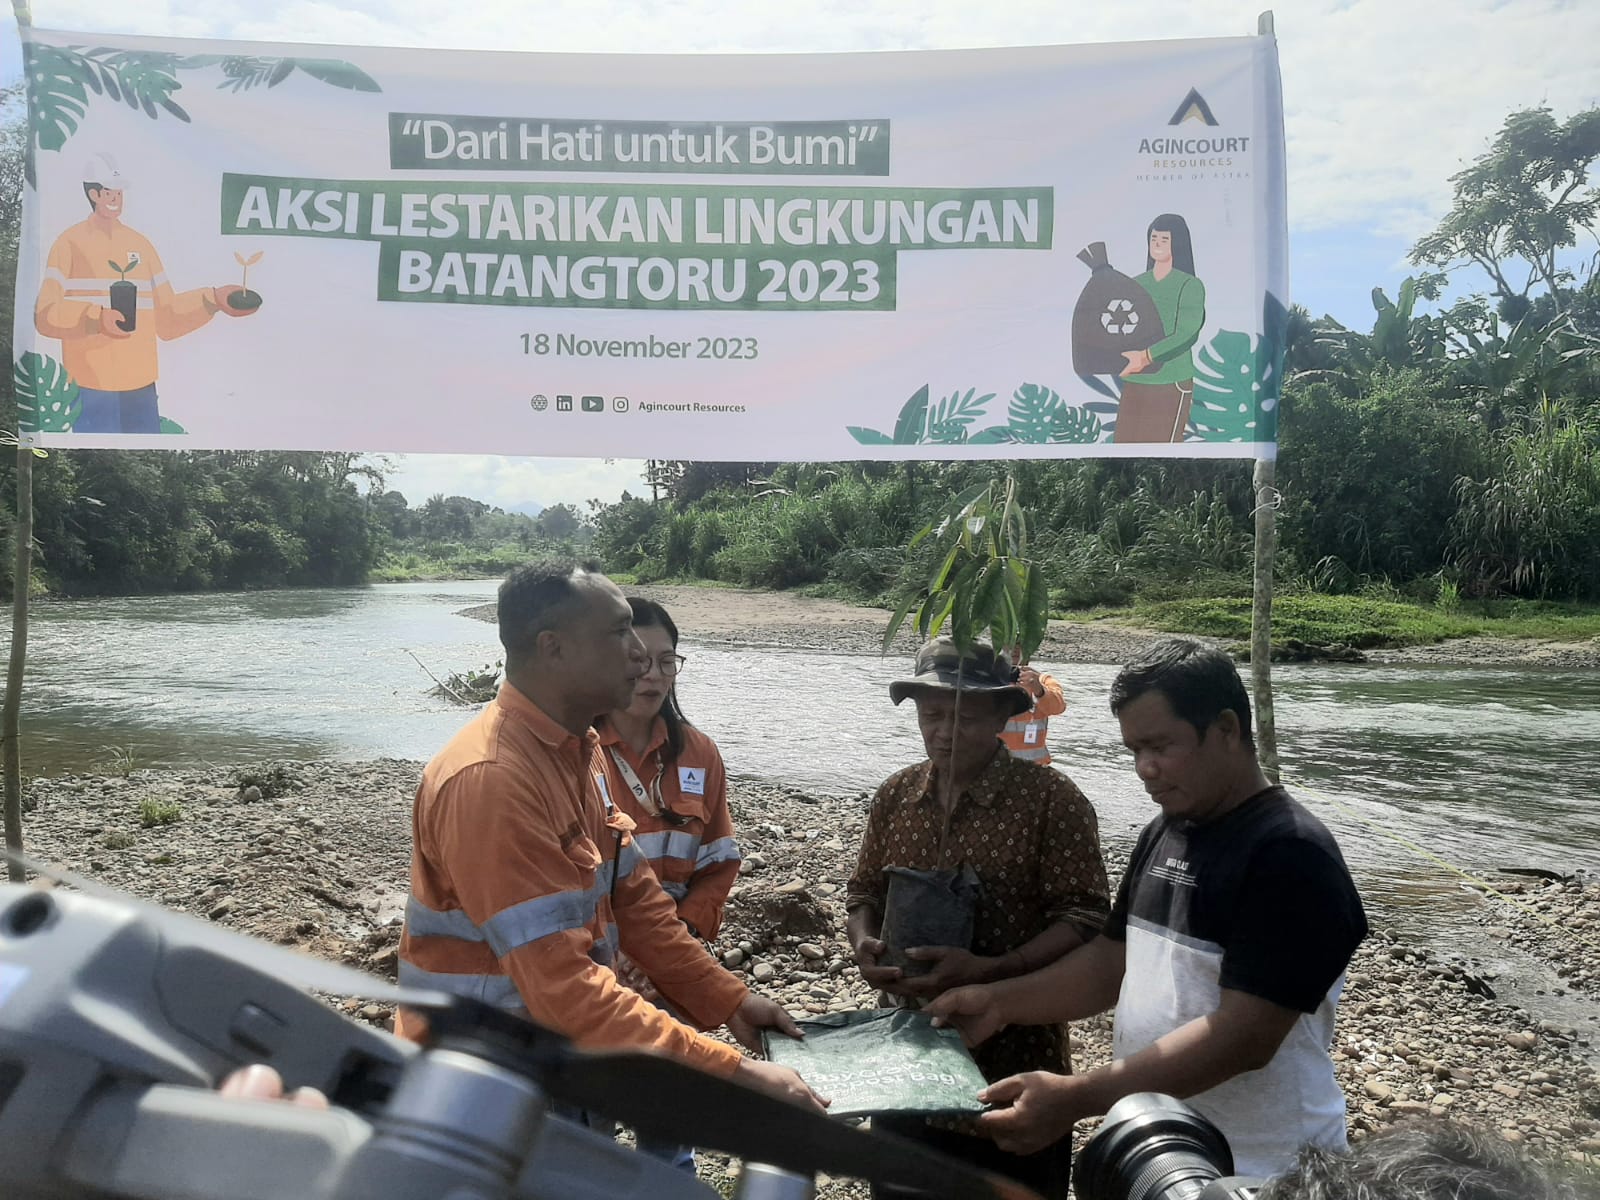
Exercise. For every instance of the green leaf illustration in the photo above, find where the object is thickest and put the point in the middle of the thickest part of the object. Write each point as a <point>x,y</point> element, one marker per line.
<point>869,437</point>
<point>913,418</point>
<point>170,426</point>
<point>1076,425</point>
<point>338,74</point>
<point>60,80</point>
<point>47,398</point>
<point>994,435</point>
<point>58,95</point>
<point>146,79</point>
<point>948,420</point>
<point>1225,389</point>
<point>1032,413</point>
<point>1269,365</point>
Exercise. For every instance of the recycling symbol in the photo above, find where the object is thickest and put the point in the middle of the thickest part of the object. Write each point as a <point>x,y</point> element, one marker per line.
<point>1119,317</point>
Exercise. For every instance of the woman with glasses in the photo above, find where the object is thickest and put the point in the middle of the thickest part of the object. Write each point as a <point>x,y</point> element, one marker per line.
<point>668,776</point>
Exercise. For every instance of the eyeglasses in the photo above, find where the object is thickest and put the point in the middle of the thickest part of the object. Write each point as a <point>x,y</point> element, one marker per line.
<point>668,664</point>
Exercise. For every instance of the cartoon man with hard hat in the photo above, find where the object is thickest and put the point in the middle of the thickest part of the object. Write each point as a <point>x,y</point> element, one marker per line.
<point>106,296</point>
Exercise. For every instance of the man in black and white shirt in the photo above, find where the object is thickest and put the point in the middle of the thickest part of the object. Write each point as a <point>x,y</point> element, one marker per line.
<point>1226,947</point>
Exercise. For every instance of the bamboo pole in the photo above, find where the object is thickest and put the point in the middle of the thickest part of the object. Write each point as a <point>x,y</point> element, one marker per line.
<point>22,572</point>
<point>1266,514</point>
<point>11,715</point>
<point>1266,494</point>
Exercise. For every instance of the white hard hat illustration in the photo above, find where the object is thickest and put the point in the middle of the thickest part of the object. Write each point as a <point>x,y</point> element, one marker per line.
<point>103,169</point>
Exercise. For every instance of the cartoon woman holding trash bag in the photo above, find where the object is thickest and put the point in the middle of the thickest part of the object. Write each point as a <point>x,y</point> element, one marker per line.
<point>1158,383</point>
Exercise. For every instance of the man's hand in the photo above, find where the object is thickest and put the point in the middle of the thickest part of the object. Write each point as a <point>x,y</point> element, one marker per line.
<point>1029,678</point>
<point>1043,1108</point>
<point>952,968</point>
<point>219,297</point>
<point>783,1082</point>
<point>261,1082</point>
<point>972,1010</point>
<point>111,324</point>
<point>758,1013</point>
<point>631,977</point>
<point>885,979</point>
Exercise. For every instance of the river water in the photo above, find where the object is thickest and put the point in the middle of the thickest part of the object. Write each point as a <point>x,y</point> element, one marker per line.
<point>1412,767</point>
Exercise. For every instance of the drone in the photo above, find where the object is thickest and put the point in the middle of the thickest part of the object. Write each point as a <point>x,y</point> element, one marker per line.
<point>118,1018</point>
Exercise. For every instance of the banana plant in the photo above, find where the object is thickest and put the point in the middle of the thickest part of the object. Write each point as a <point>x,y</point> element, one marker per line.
<point>982,579</point>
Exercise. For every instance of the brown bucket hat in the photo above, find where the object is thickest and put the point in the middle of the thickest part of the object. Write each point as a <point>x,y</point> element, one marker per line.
<point>941,667</point>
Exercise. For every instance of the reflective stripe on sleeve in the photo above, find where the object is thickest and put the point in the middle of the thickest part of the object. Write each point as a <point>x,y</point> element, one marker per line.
<point>498,990</point>
<point>724,849</point>
<point>530,920</point>
<point>422,921</point>
<point>668,844</point>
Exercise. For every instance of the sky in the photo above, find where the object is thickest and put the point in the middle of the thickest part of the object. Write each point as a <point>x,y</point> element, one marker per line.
<point>1383,101</point>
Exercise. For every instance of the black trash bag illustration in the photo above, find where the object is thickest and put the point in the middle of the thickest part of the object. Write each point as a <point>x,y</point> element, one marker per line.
<point>1113,314</point>
<point>928,908</point>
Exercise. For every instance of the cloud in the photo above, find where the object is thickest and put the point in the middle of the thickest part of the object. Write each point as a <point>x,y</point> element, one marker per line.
<point>507,482</point>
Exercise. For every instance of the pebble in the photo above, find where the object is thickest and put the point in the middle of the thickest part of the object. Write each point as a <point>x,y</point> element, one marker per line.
<point>732,958</point>
<point>810,950</point>
<point>763,972</point>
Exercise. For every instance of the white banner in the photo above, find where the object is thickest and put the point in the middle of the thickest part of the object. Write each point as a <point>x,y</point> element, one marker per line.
<point>1055,251</point>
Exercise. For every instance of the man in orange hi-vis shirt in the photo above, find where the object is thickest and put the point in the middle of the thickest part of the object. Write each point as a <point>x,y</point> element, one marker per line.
<point>1025,733</point>
<point>105,294</point>
<point>524,880</point>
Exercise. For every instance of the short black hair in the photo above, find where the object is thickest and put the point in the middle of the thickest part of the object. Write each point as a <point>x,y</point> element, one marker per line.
<point>89,189</point>
<point>535,598</point>
<point>1200,682</point>
<point>1422,1160</point>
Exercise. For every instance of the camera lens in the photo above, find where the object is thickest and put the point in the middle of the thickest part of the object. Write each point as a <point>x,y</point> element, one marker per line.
<point>1151,1147</point>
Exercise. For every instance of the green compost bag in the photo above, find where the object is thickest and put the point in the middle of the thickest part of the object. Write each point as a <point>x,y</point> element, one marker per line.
<point>888,1060</point>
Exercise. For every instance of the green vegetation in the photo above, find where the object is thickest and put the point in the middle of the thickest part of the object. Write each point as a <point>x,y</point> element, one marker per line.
<point>154,811</point>
<point>1362,621</point>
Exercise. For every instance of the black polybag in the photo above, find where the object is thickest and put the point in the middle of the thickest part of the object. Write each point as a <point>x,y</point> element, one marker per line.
<point>927,908</point>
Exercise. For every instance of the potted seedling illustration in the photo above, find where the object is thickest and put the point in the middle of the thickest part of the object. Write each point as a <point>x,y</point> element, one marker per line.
<point>243,297</point>
<point>125,293</point>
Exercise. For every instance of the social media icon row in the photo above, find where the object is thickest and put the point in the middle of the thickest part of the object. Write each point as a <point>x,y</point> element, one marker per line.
<point>588,404</point>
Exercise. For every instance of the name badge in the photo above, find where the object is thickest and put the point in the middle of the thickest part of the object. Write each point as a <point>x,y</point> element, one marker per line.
<point>1030,735</point>
<point>692,781</point>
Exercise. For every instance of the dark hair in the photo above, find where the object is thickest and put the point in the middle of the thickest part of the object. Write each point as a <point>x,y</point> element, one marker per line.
<point>1182,244</point>
<point>1200,682</point>
<point>89,189</point>
<point>648,614</point>
<point>537,597</point>
<point>1423,1160</point>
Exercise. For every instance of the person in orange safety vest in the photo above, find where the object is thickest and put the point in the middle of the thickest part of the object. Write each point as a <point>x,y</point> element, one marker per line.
<point>1025,733</point>
<point>525,877</point>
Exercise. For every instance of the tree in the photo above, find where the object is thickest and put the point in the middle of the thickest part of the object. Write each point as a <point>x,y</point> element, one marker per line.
<point>1521,202</point>
<point>559,522</point>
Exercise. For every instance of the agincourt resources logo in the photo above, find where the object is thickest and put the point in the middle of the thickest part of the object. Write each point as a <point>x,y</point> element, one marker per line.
<point>1194,151</point>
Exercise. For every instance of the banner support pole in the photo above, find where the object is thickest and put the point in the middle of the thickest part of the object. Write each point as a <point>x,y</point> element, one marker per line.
<point>22,573</point>
<point>1266,545</point>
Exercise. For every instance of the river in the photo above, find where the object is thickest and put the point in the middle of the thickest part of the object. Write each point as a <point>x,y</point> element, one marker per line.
<point>1413,767</point>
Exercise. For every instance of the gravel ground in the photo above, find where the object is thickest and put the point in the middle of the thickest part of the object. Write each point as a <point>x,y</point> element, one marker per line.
<point>322,866</point>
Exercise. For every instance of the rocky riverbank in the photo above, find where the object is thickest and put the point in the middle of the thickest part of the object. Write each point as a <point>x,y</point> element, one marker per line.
<point>314,855</point>
<point>742,617</point>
